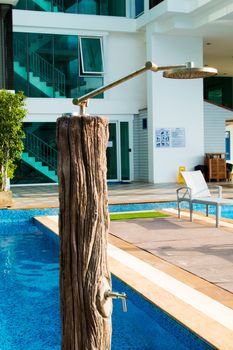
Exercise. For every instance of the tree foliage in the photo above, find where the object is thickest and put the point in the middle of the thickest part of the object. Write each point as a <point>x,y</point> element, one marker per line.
<point>12,112</point>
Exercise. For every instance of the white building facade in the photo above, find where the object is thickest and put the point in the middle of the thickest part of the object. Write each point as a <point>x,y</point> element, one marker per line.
<point>64,49</point>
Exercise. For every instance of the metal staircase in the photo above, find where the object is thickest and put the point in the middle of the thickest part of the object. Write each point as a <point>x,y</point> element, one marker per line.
<point>42,75</point>
<point>40,155</point>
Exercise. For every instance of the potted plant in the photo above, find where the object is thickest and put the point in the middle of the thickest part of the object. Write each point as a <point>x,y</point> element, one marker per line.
<point>12,113</point>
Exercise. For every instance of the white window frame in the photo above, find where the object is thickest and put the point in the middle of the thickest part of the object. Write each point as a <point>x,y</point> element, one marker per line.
<point>86,73</point>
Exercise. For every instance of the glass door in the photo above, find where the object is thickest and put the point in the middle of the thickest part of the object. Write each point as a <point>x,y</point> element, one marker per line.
<point>112,161</point>
<point>125,151</point>
<point>118,152</point>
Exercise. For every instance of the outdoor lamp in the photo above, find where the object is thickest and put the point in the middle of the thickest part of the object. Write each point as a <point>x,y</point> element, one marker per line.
<point>183,71</point>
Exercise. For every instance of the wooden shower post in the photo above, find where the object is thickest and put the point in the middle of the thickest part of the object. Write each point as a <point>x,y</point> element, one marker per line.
<point>83,228</point>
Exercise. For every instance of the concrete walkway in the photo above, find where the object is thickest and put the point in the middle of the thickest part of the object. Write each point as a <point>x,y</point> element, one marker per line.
<point>201,249</point>
<point>47,195</point>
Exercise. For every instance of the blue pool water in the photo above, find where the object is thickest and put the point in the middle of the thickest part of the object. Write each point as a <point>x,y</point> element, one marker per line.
<point>29,300</point>
<point>226,211</point>
<point>24,215</point>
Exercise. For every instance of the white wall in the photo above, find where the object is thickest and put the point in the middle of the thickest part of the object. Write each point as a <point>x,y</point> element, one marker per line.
<point>214,127</point>
<point>64,23</point>
<point>175,104</point>
<point>125,54</point>
<point>215,118</point>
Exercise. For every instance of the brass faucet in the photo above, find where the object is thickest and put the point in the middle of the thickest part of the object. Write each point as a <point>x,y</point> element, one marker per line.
<point>115,295</point>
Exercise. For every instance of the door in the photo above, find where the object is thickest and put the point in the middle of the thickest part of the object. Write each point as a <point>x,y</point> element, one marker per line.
<point>112,161</point>
<point>118,152</point>
<point>125,151</point>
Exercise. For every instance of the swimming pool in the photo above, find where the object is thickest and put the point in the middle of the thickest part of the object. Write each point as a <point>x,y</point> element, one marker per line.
<point>29,300</point>
<point>24,215</point>
<point>226,211</point>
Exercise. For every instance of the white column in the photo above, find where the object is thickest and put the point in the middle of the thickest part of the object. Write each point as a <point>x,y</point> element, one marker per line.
<point>150,111</point>
<point>174,104</point>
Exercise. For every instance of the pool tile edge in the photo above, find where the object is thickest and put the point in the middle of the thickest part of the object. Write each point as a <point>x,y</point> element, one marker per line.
<point>201,324</point>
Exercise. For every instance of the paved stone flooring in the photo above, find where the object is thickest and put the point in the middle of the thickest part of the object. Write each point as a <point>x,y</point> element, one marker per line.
<point>47,195</point>
<point>201,249</point>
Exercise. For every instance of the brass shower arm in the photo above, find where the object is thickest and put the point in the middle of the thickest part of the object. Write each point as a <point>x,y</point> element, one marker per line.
<point>173,71</point>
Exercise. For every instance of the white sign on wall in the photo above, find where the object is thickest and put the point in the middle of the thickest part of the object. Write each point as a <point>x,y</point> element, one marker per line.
<point>163,137</point>
<point>170,137</point>
<point>178,137</point>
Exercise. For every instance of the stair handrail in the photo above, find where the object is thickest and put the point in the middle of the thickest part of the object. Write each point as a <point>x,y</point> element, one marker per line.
<point>41,150</point>
<point>40,67</point>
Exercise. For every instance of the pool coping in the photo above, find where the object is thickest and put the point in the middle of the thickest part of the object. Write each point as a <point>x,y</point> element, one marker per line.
<point>199,321</point>
<point>224,223</point>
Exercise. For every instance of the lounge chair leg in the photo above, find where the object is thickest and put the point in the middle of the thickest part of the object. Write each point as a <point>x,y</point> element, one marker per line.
<point>218,214</point>
<point>179,216</point>
<point>207,210</point>
<point>191,211</point>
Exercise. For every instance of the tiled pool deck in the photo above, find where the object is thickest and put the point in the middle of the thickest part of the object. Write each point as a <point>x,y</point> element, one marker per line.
<point>47,196</point>
<point>186,268</point>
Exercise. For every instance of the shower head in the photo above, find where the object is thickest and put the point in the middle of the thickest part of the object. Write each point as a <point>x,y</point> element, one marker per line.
<point>189,72</point>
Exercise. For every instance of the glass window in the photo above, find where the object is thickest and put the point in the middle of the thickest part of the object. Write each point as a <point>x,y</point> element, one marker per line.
<point>20,62</point>
<point>47,65</point>
<point>153,3</point>
<point>139,7</point>
<point>21,5</point>
<point>116,8</point>
<point>87,84</point>
<point>91,56</point>
<point>90,7</point>
<point>39,143</point>
<point>215,95</point>
<point>65,65</point>
<point>39,5</point>
<point>70,6</point>
<point>41,69</point>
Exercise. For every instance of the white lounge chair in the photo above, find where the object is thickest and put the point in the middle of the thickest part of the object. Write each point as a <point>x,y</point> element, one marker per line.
<point>197,191</point>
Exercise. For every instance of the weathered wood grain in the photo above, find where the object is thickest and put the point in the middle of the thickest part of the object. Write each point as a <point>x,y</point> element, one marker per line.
<point>83,228</point>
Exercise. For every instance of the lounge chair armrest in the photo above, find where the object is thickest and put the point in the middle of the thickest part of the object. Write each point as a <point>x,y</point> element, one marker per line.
<point>183,192</point>
<point>218,188</point>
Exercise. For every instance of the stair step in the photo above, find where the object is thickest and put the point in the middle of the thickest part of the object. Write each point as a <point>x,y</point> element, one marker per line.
<point>44,169</point>
<point>34,80</point>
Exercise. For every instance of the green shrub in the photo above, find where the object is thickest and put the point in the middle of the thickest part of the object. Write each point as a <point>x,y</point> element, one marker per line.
<point>12,112</point>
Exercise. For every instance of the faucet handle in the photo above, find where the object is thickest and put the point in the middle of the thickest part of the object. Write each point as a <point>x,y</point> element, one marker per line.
<point>124,303</point>
<point>115,295</point>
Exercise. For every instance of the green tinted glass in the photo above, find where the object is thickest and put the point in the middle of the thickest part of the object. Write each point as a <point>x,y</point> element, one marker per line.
<point>41,69</point>
<point>91,55</point>
<point>112,153</point>
<point>124,129</point>
<point>65,65</point>
<point>47,65</point>
<point>20,62</point>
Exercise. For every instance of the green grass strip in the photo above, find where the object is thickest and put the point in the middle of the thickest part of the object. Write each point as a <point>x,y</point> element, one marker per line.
<point>137,215</point>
